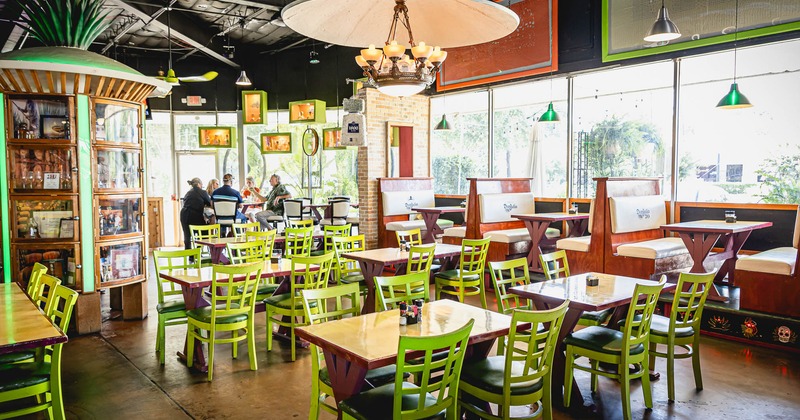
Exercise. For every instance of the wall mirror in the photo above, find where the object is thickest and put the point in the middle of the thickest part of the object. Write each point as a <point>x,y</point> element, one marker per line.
<point>399,149</point>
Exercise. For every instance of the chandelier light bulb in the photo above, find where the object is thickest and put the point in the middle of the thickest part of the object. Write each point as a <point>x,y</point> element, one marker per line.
<point>361,61</point>
<point>422,51</point>
<point>371,53</point>
<point>394,50</point>
<point>438,56</point>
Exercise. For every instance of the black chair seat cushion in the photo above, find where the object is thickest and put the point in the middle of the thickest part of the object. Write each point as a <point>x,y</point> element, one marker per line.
<point>16,357</point>
<point>352,278</point>
<point>378,403</point>
<point>489,375</point>
<point>375,377</point>
<point>597,316</point>
<point>265,290</point>
<point>600,339</point>
<point>660,326</point>
<point>284,301</point>
<point>453,275</point>
<point>23,375</point>
<point>204,315</point>
<point>171,306</point>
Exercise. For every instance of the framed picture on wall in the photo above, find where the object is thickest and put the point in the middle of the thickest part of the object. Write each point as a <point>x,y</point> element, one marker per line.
<point>254,107</point>
<point>332,139</point>
<point>53,126</point>
<point>215,137</point>
<point>276,143</point>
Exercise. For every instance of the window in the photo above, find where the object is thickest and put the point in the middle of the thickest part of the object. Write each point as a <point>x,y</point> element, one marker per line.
<point>462,152</point>
<point>158,154</point>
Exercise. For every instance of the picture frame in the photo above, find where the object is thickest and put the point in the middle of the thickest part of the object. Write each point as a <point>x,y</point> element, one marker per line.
<point>332,139</point>
<point>307,111</point>
<point>254,107</point>
<point>276,143</point>
<point>53,126</point>
<point>215,137</point>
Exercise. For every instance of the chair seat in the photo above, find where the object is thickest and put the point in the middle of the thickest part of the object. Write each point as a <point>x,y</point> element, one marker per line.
<point>275,218</point>
<point>285,301</point>
<point>653,249</point>
<point>204,315</point>
<point>375,377</point>
<point>776,261</point>
<point>489,375</point>
<point>508,236</point>
<point>171,306</point>
<point>263,289</point>
<point>580,243</point>
<point>23,375</point>
<point>600,339</point>
<point>456,232</point>
<point>353,220</point>
<point>352,278</point>
<point>16,357</point>
<point>334,222</point>
<point>378,403</point>
<point>453,275</point>
<point>660,326</point>
<point>597,316</point>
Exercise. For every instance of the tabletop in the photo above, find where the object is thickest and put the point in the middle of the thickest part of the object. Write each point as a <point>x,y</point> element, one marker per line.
<point>716,226</point>
<point>552,217</point>
<point>222,242</point>
<point>371,340</point>
<point>611,291</point>
<point>24,325</point>
<point>443,209</point>
<point>193,277</point>
<point>388,256</point>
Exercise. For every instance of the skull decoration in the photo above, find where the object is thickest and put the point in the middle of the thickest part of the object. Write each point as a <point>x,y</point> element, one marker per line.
<point>784,334</point>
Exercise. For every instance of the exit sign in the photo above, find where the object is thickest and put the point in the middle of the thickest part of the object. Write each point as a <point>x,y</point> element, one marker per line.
<point>195,101</point>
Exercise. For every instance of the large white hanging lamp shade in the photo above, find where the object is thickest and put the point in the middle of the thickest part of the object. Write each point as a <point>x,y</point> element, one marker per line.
<point>358,23</point>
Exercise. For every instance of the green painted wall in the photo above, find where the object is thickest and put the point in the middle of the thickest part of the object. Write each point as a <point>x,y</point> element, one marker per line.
<point>4,214</point>
<point>85,198</point>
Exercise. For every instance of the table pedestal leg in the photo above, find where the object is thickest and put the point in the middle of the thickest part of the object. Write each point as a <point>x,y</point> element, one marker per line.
<point>577,227</point>
<point>432,228</point>
<point>193,298</point>
<point>370,271</point>
<point>347,379</point>
<point>699,245</point>
<point>560,358</point>
<point>217,256</point>
<point>536,230</point>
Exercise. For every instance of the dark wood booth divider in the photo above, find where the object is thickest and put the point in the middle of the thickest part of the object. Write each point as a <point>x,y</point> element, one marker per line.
<point>387,238</point>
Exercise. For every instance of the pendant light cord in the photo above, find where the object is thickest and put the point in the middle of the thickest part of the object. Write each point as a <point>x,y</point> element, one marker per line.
<point>169,33</point>
<point>735,39</point>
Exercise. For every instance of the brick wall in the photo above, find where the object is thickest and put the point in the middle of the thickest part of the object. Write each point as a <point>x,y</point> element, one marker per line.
<point>380,109</point>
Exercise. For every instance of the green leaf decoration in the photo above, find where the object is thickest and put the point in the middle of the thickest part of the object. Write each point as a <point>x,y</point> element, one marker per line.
<point>64,23</point>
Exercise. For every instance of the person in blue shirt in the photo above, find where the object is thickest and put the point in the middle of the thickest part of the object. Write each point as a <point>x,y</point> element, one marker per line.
<point>228,193</point>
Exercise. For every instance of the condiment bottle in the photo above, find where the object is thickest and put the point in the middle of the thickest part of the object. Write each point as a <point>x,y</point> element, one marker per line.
<point>403,308</point>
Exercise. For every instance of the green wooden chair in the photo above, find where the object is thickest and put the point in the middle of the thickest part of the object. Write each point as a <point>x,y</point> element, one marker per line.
<point>33,280</point>
<point>240,229</point>
<point>682,328</point>
<point>233,312</point>
<point>420,258</point>
<point>308,273</point>
<point>40,379</point>
<point>621,348</point>
<point>522,375</point>
<point>171,308</point>
<point>47,284</point>
<point>254,251</point>
<point>467,279</point>
<point>298,241</point>
<point>507,274</point>
<point>393,290</point>
<point>345,270</point>
<point>556,266</point>
<point>404,400</point>
<point>200,232</point>
<point>412,236</point>
<point>328,233</point>
<point>268,236</point>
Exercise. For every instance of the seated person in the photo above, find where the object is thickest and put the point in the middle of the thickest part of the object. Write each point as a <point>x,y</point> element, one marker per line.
<point>227,193</point>
<point>249,190</point>
<point>208,211</point>
<point>273,200</point>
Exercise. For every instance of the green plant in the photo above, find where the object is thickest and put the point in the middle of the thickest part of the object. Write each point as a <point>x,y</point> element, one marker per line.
<point>64,23</point>
<point>781,178</point>
<point>618,147</point>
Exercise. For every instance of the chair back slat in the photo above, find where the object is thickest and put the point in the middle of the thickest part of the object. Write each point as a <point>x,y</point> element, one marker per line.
<point>300,224</point>
<point>309,273</point>
<point>420,258</point>
<point>640,314</point>
<point>473,256</point>
<point>688,303</point>
<point>268,236</point>
<point>445,387</point>
<point>342,245</point>
<point>412,236</point>
<point>240,229</point>
<point>555,264</point>
<point>395,289</point>
<point>298,241</point>
<point>62,303</point>
<point>240,281</point>
<point>173,260</point>
<point>200,232</point>
<point>507,274</point>
<point>44,293</point>
<point>533,349</point>
<point>246,252</point>
<point>33,280</point>
<point>330,231</point>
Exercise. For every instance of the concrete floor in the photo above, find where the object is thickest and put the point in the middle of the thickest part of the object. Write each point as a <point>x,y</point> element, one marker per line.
<point>116,375</point>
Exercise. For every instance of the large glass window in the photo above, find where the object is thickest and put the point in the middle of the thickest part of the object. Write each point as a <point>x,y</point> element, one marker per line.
<point>524,147</point>
<point>741,155</point>
<point>462,152</point>
<point>623,125</point>
<point>159,155</point>
<point>187,144</point>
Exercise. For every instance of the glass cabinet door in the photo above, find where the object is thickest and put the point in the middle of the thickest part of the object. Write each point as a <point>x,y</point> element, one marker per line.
<point>41,168</point>
<point>118,216</point>
<point>45,118</point>
<point>116,122</point>
<point>62,261</point>
<point>47,217</point>
<point>120,262</point>
<point>118,169</point>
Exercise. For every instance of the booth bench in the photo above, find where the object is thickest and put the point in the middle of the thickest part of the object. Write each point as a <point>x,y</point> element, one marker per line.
<point>396,199</point>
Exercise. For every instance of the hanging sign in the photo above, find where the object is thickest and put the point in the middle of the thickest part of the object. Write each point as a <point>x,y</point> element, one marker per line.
<point>354,130</point>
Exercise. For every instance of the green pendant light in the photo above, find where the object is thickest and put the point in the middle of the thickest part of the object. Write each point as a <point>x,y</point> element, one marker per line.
<point>443,124</point>
<point>550,115</point>
<point>734,99</point>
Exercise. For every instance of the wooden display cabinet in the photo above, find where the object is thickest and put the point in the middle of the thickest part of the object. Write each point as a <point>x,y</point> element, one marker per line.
<point>63,261</point>
<point>121,262</point>
<point>47,119</point>
<point>118,216</point>
<point>36,168</point>
<point>116,123</point>
<point>44,218</point>
<point>117,170</point>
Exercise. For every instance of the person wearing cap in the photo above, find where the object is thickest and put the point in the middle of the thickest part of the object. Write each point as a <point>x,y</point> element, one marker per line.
<point>227,193</point>
<point>250,188</point>
<point>195,200</point>
<point>273,201</point>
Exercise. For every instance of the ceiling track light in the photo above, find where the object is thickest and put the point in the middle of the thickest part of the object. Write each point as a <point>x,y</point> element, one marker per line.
<point>663,28</point>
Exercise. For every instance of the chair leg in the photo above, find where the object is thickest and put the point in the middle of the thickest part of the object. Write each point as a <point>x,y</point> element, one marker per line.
<point>594,380</point>
<point>251,344</point>
<point>269,329</point>
<point>235,345</point>
<point>568,376</point>
<point>291,334</point>
<point>653,349</point>
<point>546,402</point>
<point>210,355</point>
<point>190,345</point>
<point>646,390</point>
<point>483,297</point>
<point>313,412</point>
<point>625,390</point>
<point>698,373</point>
<point>670,371</point>
<point>160,340</point>
<point>56,410</point>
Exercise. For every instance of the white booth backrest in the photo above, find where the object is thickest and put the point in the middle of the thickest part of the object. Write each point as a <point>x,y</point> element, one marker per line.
<point>499,207</point>
<point>401,202</point>
<point>637,213</point>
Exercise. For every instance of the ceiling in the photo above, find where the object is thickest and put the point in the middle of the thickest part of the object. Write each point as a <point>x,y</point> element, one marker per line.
<point>224,30</point>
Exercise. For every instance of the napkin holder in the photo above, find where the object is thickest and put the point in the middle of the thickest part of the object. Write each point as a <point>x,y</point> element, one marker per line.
<point>592,280</point>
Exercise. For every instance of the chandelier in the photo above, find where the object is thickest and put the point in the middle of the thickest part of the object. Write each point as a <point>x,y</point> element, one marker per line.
<point>391,70</point>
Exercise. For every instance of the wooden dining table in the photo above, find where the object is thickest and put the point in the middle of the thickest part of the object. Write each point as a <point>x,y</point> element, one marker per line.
<point>23,325</point>
<point>611,292</point>
<point>352,346</point>
<point>374,261</point>
<point>431,215</point>
<point>216,246</point>
<point>700,237</point>
<point>193,281</point>
<point>537,225</point>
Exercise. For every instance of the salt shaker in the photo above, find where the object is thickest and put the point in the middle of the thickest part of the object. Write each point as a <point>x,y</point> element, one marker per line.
<point>403,307</point>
